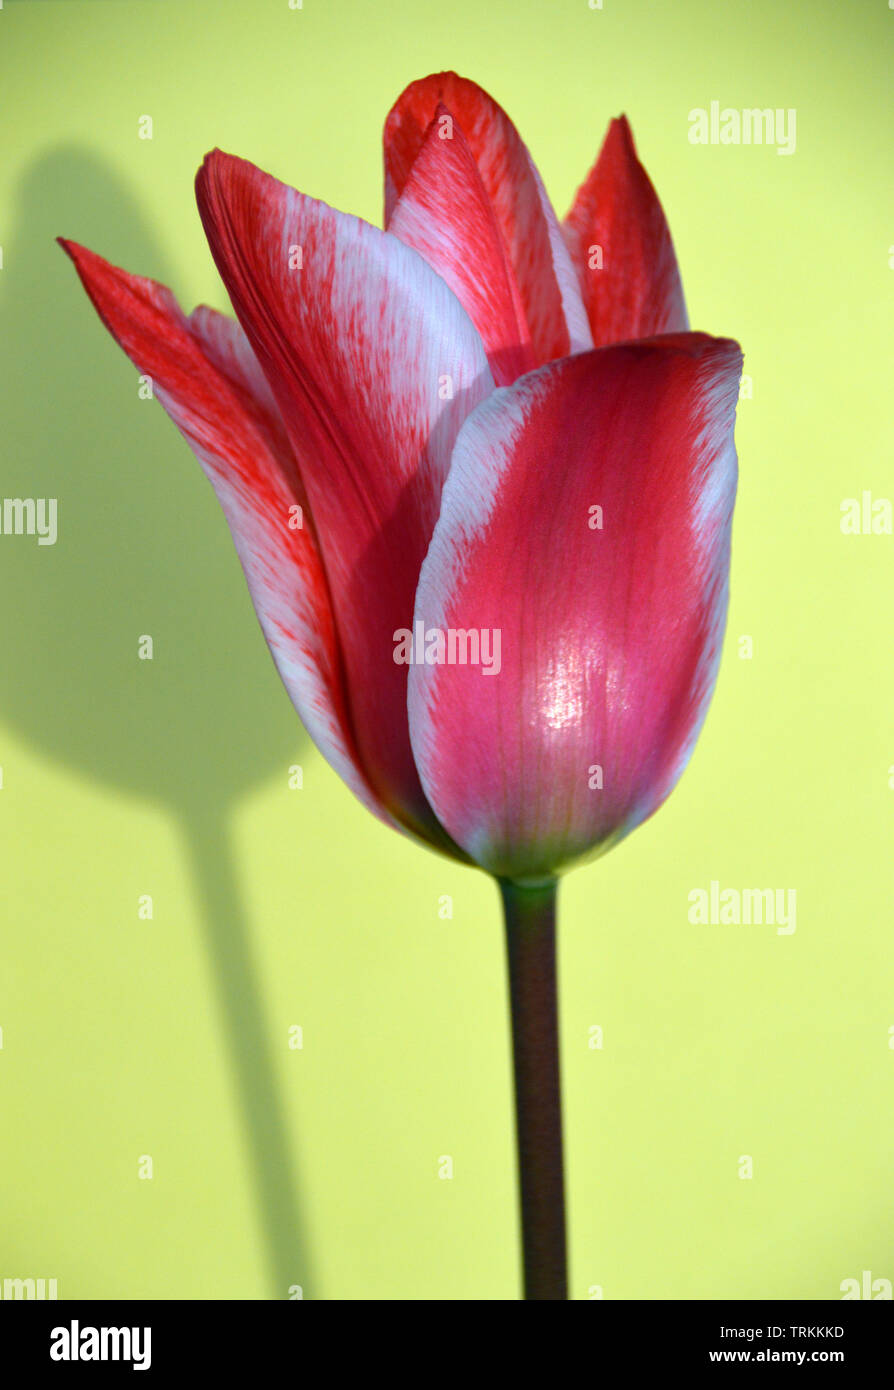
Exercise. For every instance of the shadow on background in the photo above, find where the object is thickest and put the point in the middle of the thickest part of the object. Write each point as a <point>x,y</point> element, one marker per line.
<point>142,549</point>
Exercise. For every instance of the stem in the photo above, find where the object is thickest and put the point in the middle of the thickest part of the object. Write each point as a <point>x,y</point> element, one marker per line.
<point>530,915</point>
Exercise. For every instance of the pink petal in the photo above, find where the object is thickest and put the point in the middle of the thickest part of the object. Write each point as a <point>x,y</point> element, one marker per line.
<point>374,365</point>
<point>637,293</point>
<point>546,277</point>
<point>446,215</point>
<point>610,638</point>
<point>204,375</point>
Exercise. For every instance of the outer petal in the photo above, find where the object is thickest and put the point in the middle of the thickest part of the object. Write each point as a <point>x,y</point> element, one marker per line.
<point>374,365</point>
<point>205,376</point>
<point>610,638</point>
<point>446,215</point>
<point>546,277</point>
<point>637,291</point>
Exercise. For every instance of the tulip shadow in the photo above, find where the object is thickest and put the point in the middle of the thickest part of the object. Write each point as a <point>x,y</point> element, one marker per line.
<point>142,549</point>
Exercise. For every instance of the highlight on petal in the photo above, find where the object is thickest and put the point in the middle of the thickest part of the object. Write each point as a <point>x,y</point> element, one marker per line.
<point>374,365</point>
<point>621,244</point>
<point>207,380</point>
<point>584,545</point>
<point>445,214</point>
<point>547,279</point>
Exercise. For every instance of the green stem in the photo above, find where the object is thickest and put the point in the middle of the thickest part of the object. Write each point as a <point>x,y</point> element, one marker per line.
<point>531,947</point>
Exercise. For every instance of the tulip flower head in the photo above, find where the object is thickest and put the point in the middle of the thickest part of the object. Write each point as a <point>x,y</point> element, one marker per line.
<point>479,432</point>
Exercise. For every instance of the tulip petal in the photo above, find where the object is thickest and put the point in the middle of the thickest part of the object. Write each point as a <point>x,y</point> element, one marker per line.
<point>374,365</point>
<point>543,269</point>
<point>205,376</point>
<point>445,214</point>
<point>636,292</point>
<point>609,638</point>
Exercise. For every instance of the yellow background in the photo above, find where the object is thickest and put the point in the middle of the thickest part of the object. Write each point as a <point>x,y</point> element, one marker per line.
<point>274,907</point>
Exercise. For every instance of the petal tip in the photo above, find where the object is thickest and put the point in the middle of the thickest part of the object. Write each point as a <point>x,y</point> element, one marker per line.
<point>73,249</point>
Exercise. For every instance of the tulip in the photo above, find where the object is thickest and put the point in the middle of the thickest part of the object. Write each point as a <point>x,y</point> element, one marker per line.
<point>478,421</point>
